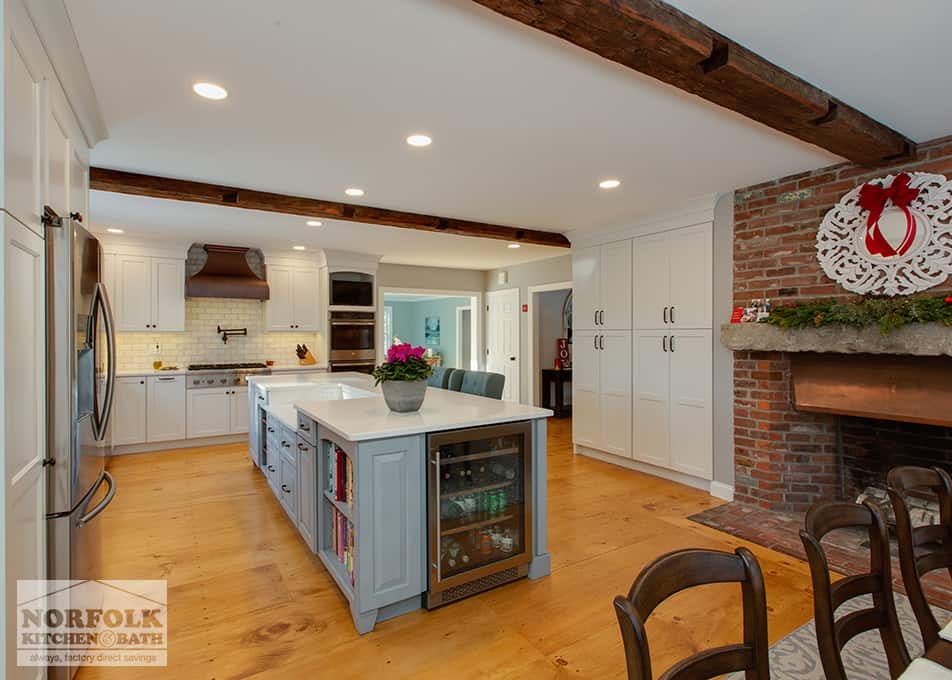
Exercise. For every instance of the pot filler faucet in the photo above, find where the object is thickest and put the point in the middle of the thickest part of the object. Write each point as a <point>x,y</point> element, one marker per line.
<point>229,332</point>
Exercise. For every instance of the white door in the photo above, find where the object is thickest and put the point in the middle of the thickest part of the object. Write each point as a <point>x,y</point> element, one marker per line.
<point>133,293</point>
<point>651,395</point>
<point>280,308</point>
<point>304,299</point>
<point>168,294</point>
<point>651,281</point>
<point>614,377</point>
<point>21,125</point>
<point>166,408</point>
<point>691,277</point>
<point>615,286</point>
<point>691,409</point>
<point>128,423</point>
<point>585,283</point>
<point>585,419</point>
<point>503,349</point>
<point>239,410</point>
<point>209,412</point>
<point>24,390</point>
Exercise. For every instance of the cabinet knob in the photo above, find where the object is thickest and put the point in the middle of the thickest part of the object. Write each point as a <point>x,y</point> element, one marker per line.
<point>142,382</point>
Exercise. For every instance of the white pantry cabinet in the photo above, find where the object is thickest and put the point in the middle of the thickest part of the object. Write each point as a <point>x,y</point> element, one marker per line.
<point>217,411</point>
<point>149,293</point>
<point>129,411</point>
<point>601,391</point>
<point>165,404</point>
<point>601,279</point>
<point>293,304</point>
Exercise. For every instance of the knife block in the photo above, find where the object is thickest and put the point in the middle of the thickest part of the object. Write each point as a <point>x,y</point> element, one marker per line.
<point>307,360</point>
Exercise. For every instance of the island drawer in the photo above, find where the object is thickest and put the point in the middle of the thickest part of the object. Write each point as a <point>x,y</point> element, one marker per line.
<point>307,429</point>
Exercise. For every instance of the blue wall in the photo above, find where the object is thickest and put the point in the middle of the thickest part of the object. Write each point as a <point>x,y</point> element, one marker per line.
<point>409,319</point>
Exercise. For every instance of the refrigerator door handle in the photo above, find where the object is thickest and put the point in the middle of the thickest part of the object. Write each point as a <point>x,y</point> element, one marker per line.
<point>101,304</point>
<point>101,505</point>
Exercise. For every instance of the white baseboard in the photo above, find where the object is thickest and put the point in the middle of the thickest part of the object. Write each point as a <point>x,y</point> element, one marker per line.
<point>647,468</point>
<point>177,444</point>
<point>723,491</point>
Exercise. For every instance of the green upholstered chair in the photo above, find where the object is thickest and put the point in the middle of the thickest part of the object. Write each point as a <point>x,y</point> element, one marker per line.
<point>440,377</point>
<point>483,384</point>
<point>455,381</point>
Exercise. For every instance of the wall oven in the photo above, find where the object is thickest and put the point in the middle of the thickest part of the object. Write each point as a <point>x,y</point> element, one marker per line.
<point>352,342</point>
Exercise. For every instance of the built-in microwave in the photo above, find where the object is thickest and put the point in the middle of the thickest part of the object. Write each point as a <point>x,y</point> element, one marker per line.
<point>351,289</point>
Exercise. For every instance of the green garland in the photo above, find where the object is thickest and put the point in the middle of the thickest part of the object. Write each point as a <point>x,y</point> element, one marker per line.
<point>888,313</point>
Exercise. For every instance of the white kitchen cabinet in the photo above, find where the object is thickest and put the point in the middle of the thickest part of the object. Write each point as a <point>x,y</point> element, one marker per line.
<point>129,411</point>
<point>166,407</point>
<point>601,279</point>
<point>239,410</point>
<point>58,154</point>
<point>651,396</point>
<point>293,304</point>
<point>209,412</point>
<point>585,395</point>
<point>601,396</point>
<point>21,125</point>
<point>149,293</point>
<point>673,279</point>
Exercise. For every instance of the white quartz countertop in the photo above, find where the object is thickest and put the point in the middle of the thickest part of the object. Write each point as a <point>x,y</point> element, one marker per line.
<point>297,380</point>
<point>285,413</point>
<point>366,419</point>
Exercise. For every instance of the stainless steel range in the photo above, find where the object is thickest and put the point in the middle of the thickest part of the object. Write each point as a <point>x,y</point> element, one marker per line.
<point>223,375</point>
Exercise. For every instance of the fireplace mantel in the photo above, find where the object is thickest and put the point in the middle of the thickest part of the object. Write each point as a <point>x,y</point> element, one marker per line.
<point>927,339</point>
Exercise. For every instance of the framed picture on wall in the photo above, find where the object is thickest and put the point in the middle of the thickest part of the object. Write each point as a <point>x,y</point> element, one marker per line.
<point>431,330</point>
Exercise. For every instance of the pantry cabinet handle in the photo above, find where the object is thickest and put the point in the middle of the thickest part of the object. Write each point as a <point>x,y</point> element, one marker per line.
<point>601,318</point>
<point>672,343</point>
<point>664,343</point>
<point>595,341</point>
<point>665,314</point>
<point>672,314</point>
<point>601,342</point>
<point>596,317</point>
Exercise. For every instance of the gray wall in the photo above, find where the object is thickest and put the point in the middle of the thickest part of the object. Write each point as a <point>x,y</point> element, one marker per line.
<point>723,358</point>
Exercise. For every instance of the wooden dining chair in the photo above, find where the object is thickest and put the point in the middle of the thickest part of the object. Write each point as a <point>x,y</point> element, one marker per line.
<point>924,548</point>
<point>683,569</point>
<point>833,633</point>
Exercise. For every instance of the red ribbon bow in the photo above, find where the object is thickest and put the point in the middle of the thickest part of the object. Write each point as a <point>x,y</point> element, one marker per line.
<point>873,198</point>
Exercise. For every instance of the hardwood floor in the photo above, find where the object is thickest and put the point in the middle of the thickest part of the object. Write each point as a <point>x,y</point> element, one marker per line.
<point>247,599</point>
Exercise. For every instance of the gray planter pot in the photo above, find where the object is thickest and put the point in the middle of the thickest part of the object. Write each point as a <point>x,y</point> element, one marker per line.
<point>403,396</point>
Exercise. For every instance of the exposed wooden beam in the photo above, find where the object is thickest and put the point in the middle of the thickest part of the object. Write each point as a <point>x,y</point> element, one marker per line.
<point>119,181</point>
<point>658,40</point>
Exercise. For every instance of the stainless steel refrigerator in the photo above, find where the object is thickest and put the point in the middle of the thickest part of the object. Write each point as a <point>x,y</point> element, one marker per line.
<point>81,370</point>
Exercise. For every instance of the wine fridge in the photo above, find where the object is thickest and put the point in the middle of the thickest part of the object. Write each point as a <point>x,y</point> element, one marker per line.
<point>479,505</point>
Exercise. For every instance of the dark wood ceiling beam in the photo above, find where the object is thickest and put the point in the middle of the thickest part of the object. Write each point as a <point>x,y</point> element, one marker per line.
<point>654,38</point>
<point>119,181</point>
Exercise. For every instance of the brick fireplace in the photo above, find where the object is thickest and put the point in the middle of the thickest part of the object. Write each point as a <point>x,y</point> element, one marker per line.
<point>786,458</point>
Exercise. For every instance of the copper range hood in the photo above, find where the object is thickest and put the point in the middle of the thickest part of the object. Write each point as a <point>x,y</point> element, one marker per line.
<point>912,389</point>
<point>226,274</point>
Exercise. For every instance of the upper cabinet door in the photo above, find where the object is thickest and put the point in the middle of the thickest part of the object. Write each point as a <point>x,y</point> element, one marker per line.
<point>58,155</point>
<point>585,284</point>
<point>615,286</point>
<point>304,299</point>
<point>168,295</point>
<point>691,274</point>
<point>21,110</point>
<point>132,298</point>
<point>280,307</point>
<point>651,281</point>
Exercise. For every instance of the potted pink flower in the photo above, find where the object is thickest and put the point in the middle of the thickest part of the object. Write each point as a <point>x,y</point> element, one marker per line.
<point>402,378</point>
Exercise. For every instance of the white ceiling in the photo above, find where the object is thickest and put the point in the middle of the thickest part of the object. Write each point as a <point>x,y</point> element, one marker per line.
<point>322,95</point>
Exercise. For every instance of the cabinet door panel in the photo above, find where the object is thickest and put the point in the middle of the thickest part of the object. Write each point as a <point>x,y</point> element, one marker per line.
<point>691,408</point>
<point>58,156</point>
<point>166,408</point>
<point>128,423</point>
<point>168,294</point>
<point>239,410</point>
<point>651,396</point>
<point>307,492</point>
<point>280,306</point>
<point>304,306</point>
<point>691,273</point>
<point>615,286</point>
<point>585,284</point>
<point>133,293</point>
<point>650,281</point>
<point>614,359</point>
<point>288,487</point>
<point>585,418</point>
<point>78,183</point>
<point>21,166</point>
<point>209,412</point>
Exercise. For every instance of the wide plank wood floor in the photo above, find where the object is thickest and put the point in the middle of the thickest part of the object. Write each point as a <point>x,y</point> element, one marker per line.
<point>248,600</point>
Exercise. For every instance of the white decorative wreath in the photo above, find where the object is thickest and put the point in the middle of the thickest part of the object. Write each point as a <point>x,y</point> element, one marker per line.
<point>891,236</point>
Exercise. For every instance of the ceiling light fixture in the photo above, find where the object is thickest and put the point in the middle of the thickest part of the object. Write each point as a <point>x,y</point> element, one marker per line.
<point>419,140</point>
<point>113,230</point>
<point>314,223</point>
<point>299,248</point>
<point>609,183</point>
<point>210,91</point>
<point>353,191</point>
<point>513,245</point>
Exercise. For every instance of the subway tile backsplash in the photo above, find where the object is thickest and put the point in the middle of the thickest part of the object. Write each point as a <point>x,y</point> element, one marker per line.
<point>200,343</point>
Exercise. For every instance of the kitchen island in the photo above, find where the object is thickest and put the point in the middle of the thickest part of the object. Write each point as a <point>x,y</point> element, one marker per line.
<point>412,510</point>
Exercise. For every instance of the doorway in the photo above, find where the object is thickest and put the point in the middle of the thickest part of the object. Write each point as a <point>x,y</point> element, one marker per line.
<point>464,335</point>
<point>502,333</point>
<point>432,320</point>
<point>550,320</point>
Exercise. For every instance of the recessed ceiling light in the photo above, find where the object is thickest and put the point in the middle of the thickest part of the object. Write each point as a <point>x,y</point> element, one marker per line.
<point>113,230</point>
<point>314,223</point>
<point>353,191</point>
<point>419,140</point>
<point>609,184</point>
<point>513,245</point>
<point>299,247</point>
<point>210,91</point>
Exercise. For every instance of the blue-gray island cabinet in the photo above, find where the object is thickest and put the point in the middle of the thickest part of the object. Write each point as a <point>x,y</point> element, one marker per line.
<point>421,509</point>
